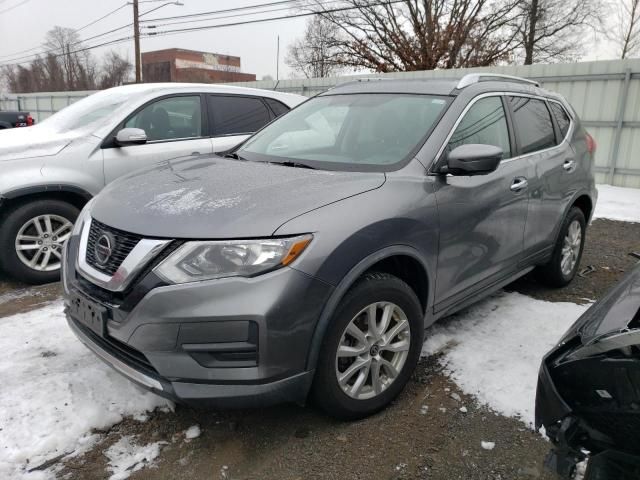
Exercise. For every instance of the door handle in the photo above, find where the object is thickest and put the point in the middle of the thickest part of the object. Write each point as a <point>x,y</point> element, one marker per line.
<point>519,184</point>
<point>569,165</point>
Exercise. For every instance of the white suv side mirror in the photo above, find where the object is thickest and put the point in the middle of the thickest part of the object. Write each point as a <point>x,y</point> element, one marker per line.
<point>131,136</point>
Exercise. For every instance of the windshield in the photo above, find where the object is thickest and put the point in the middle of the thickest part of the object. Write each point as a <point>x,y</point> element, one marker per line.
<point>351,132</point>
<point>87,111</point>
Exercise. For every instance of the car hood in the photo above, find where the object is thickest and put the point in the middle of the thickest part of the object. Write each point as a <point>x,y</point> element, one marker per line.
<point>214,197</point>
<point>616,312</point>
<point>33,142</point>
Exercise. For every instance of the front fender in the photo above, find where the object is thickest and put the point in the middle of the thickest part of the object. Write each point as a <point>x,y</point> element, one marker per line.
<point>347,282</point>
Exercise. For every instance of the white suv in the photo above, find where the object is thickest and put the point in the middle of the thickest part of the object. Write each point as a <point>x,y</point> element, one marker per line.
<point>51,170</point>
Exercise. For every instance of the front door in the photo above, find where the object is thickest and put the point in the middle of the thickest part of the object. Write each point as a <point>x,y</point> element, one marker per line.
<point>482,218</point>
<point>174,129</point>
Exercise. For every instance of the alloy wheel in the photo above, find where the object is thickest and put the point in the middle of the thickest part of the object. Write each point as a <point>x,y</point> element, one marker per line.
<point>40,240</point>
<point>571,248</point>
<point>372,351</point>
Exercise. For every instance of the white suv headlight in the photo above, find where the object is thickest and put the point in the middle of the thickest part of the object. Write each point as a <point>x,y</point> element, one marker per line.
<point>206,260</point>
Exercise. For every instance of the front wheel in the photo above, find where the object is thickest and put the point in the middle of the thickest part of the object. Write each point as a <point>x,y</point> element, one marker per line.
<point>371,348</point>
<point>31,239</point>
<point>565,260</point>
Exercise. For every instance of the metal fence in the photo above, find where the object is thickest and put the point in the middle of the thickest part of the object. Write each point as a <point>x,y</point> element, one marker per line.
<point>606,95</point>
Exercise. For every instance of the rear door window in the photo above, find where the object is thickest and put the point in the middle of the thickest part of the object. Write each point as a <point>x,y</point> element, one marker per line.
<point>486,123</point>
<point>562,118</point>
<point>533,125</point>
<point>236,115</point>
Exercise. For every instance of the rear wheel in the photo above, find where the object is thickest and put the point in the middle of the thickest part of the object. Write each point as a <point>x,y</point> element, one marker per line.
<point>31,239</point>
<point>371,348</point>
<point>565,260</point>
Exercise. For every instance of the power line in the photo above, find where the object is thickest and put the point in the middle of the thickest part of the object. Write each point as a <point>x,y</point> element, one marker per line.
<point>103,17</point>
<point>39,47</point>
<point>247,14</point>
<point>272,19</point>
<point>14,6</point>
<point>213,12</point>
<point>25,59</point>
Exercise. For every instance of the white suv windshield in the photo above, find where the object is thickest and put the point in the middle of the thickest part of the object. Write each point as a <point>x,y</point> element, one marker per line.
<point>87,111</point>
<point>339,131</point>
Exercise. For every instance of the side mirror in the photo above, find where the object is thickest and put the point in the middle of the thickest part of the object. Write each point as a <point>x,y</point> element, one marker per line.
<point>472,159</point>
<point>131,136</point>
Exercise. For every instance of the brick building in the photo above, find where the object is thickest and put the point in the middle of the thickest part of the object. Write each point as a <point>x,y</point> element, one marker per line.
<point>180,65</point>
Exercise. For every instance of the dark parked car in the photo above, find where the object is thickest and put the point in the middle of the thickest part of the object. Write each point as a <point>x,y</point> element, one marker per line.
<point>312,258</point>
<point>589,388</point>
<point>9,119</point>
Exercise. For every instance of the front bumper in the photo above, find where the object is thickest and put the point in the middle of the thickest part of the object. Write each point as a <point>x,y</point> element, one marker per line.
<point>234,342</point>
<point>589,404</point>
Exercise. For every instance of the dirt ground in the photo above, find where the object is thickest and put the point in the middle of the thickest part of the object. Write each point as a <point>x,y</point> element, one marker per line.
<point>423,435</point>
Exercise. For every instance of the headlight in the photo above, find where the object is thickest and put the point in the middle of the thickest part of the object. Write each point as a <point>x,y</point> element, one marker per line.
<point>82,218</point>
<point>195,261</point>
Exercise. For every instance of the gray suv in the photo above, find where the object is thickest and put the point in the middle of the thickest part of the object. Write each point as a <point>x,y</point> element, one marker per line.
<point>49,171</point>
<point>311,259</point>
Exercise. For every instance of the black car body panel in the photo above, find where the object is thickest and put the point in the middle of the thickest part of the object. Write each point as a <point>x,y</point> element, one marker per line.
<point>588,396</point>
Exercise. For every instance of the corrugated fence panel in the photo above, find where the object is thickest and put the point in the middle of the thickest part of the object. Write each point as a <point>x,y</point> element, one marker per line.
<point>605,94</point>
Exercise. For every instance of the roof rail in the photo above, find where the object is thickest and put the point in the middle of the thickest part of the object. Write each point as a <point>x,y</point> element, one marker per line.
<point>472,78</point>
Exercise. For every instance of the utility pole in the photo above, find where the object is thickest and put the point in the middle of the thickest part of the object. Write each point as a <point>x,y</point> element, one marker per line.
<point>136,41</point>
<point>278,59</point>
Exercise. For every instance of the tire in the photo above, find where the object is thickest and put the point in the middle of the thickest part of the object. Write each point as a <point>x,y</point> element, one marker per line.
<point>21,218</point>
<point>388,292</point>
<point>552,274</point>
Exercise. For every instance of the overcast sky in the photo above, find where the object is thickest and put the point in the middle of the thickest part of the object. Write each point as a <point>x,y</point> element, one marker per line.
<point>24,27</point>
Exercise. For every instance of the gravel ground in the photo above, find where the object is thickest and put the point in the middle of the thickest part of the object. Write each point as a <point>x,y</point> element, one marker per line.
<point>423,435</point>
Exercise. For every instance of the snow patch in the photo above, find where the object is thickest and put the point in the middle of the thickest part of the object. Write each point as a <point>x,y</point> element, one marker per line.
<point>493,349</point>
<point>192,432</point>
<point>618,203</point>
<point>182,200</point>
<point>50,403</point>
<point>126,457</point>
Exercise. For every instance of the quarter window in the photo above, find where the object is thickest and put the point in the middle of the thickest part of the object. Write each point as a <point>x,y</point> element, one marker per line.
<point>532,123</point>
<point>169,118</point>
<point>235,115</point>
<point>561,118</point>
<point>484,123</point>
<point>277,107</point>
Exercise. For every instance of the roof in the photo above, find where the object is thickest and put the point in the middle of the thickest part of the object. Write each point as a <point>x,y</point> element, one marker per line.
<point>186,50</point>
<point>439,86</point>
<point>289,98</point>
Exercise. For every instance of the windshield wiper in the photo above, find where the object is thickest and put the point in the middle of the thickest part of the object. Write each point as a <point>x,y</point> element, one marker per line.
<point>234,155</point>
<point>293,164</point>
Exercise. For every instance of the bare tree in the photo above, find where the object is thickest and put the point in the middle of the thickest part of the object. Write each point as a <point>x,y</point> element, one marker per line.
<point>78,64</point>
<point>623,28</point>
<point>317,53</point>
<point>550,30</point>
<point>387,35</point>
<point>115,70</point>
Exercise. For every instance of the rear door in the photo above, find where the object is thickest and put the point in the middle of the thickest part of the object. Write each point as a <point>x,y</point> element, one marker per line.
<point>235,117</point>
<point>175,126</point>
<point>541,141</point>
<point>482,217</point>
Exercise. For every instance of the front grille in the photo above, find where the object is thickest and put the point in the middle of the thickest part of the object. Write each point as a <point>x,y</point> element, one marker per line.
<point>124,243</point>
